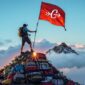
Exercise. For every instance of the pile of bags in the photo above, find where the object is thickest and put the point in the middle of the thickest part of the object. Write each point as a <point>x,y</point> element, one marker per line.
<point>25,69</point>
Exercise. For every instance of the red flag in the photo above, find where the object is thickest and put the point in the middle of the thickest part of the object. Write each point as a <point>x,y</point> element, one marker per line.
<point>53,14</point>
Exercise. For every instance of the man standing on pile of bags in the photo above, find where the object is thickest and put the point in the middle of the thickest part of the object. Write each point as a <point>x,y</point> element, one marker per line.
<point>23,33</point>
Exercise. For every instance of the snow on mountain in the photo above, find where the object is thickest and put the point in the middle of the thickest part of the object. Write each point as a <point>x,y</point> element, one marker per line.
<point>44,45</point>
<point>62,48</point>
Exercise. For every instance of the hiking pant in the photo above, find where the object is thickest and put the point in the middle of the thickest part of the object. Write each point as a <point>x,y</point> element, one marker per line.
<point>26,39</point>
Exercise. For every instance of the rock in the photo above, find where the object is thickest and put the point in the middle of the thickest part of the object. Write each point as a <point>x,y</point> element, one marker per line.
<point>62,48</point>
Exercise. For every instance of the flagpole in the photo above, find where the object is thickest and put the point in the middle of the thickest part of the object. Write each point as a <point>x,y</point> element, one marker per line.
<point>35,33</point>
<point>64,28</point>
<point>36,28</point>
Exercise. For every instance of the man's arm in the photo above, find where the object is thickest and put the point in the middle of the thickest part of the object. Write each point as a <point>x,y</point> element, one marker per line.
<point>30,30</point>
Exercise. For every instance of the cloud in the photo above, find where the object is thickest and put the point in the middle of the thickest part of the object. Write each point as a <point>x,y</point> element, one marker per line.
<point>67,60</point>
<point>1,43</point>
<point>79,46</point>
<point>76,74</point>
<point>7,55</point>
<point>8,41</point>
<point>5,42</point>
<point>44,45</point>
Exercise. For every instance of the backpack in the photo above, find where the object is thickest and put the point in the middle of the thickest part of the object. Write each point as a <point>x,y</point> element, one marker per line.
<point>20,32</point>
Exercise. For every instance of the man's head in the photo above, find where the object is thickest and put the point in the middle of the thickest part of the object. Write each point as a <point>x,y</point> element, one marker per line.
<point>25,25</point>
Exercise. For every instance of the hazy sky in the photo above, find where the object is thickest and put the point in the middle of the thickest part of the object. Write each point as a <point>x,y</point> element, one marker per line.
<point>13,13</point>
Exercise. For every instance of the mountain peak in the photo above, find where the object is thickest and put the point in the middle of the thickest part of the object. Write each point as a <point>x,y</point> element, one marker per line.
<point>62,48</point>
<point>44,41</point>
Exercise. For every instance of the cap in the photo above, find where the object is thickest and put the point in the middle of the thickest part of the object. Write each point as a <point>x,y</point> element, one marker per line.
<point>24,25</point>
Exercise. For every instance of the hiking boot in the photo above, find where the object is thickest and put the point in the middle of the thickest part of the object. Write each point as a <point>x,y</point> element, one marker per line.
<point>22,52</point>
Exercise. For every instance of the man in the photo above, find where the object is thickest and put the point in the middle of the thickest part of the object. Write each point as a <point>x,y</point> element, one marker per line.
<point>24,36</point>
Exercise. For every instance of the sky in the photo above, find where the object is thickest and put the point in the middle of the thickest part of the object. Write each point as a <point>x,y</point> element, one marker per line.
<point>13,13</point>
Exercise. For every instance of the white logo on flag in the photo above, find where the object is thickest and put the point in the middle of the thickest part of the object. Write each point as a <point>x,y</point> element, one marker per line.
<point>54,14</point>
